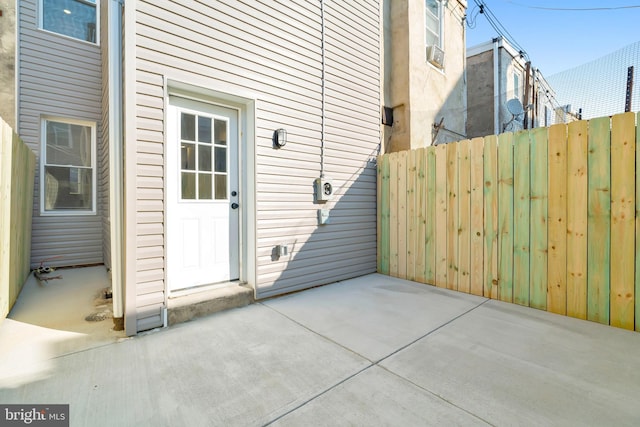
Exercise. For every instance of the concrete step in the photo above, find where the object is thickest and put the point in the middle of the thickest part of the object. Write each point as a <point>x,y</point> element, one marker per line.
<point>182,308</point>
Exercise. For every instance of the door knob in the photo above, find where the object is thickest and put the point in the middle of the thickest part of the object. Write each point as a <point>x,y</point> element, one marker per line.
<point>234,206</point>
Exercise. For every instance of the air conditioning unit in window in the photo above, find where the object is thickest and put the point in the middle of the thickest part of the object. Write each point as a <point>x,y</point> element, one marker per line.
<point>435,55</point>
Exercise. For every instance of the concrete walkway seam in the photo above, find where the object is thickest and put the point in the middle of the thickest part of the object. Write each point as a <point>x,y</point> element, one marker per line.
<point>372,364</point>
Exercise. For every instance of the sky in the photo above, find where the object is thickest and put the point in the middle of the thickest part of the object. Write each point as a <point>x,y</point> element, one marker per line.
<point>558,40</point>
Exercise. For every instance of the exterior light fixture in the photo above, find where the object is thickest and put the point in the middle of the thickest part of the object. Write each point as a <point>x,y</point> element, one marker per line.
<point>279,138</point>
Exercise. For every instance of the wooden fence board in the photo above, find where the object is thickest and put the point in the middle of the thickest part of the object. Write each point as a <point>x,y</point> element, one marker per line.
<point>464,216</point>
<point>441,219</point>
<point>452,216</point>
<point>622,220</point>
<point>15,237</point>
<point>402,214</point>
<point>431,207</point>
<point>539,213</point>
<point>557,266</point>
<point>491,189</point>
<point>412,217</point>
<point>599,220</point>
<point>421,214</point>
<point>505,217</point>
<point>477,217</point>
<point>393,214</point>
<point>383,200</point>
<point>521,219</point>
<point>577,184</point>
<point>6,151</point>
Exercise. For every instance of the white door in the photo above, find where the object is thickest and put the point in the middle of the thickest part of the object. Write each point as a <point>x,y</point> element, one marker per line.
<point>202,221</point>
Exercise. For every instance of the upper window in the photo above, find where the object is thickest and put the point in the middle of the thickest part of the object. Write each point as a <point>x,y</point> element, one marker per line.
<point>68,167</point>
<point>433,22</point>
<point>73,18</point>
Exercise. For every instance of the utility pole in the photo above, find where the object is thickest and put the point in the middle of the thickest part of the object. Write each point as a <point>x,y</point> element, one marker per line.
<point>527,81</point>
<point>627,104</point>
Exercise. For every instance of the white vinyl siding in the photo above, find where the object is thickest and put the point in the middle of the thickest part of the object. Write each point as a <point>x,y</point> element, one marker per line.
<point>271,52</point>
<point>346,246</point>
<point>58,77</point>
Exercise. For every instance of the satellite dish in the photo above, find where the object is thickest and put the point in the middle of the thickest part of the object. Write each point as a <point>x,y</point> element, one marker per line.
<point>515,107</point>
<point>517,115</point>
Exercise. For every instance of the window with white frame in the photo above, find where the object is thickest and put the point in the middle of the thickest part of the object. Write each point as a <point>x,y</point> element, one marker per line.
<point>72,18</point>
<point>67,175</point>
<point>433,22</point>
<point>516,85</point>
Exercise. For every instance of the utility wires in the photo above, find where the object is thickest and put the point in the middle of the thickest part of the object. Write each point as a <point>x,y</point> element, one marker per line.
<point>483,9</point>
<point>576,9</point>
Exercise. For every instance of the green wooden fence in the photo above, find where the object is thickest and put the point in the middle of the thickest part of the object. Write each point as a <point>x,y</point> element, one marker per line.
<point>546,218</point>
<point>17,165</point>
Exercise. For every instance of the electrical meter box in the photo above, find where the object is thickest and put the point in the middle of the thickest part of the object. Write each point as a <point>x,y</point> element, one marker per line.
<point>323,189</point>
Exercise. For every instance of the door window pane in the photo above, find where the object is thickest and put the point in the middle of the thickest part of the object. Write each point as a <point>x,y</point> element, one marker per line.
<point>188,156</point>
<point>204,129</point>
<point>221,159</point>
<point>205,187</point>
<point>188,185</point>
<point>220,129</point>
<point>73,18</point>
<point>221,187</point>
<point>204,158</point>
<point>188,127</point>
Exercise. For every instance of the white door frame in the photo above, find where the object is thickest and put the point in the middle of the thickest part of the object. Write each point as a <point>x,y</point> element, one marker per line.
<point>246,106</point>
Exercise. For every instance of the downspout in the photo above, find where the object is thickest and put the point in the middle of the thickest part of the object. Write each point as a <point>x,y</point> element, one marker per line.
<point>129,165</point>
<point>496,88</point>
<point>116,160</point>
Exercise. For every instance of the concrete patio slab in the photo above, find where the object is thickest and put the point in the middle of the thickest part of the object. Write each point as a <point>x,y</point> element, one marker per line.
<point>366,351</point>
<point>64,303</point>
<point>240,367</point>
<point>49,320</point>
<point>374,315</point>
<point>377,397</point>
<point>512,365</point>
